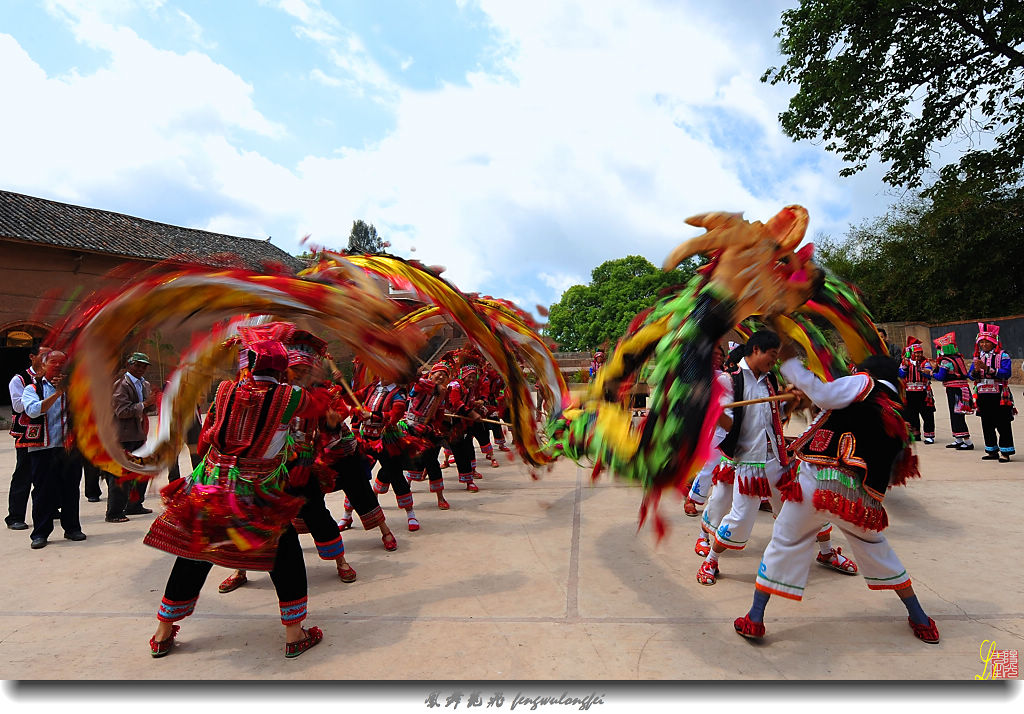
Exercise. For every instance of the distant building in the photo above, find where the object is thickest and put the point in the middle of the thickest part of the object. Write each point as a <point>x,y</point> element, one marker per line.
<point>53,255</point>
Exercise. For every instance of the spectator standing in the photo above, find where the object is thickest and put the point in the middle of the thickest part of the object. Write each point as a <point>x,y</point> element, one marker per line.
<point>21,479</point>
<point>133,396</point>
<point>56,465</point>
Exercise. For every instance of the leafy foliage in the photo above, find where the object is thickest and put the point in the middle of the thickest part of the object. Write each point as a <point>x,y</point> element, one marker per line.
<point>951,252</point>
<point>589,316</point>
<point>363,238</point>
<point>896,78</point>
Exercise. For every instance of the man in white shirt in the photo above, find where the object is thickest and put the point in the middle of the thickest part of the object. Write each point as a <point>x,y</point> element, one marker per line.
<point>21,479</point>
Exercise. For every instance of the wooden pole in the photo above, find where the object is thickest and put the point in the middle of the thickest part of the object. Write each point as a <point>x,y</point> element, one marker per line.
<point>488,421</point>
<point>777,398</point>
<point>337,377</point>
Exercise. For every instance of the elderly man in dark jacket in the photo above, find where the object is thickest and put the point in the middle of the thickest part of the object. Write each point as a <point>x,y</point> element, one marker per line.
<point>133,396</point>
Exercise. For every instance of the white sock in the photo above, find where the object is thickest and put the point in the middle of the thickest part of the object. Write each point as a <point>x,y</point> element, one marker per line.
<point>825,547</point>
<point>712,557</point>
<point>967,441</point>
<point>410,514</point>
<point>702,534</point>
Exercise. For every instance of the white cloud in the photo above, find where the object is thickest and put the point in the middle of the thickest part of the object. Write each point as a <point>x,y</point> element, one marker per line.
<point>603,129</point>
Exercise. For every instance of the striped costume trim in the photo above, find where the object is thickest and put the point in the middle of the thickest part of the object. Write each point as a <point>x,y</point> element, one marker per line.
<point>379,486</point>
<point>437,486</point>
<point>331,550</point>
<point>172,611</point>
<point>294,611</point>
<point>488,451</point>
<point>416,475</point>
<point>895,582</point>
<point>404,501</point>
<point>758,585</point>
<point>372,519</point>
<point>466,478</point>
<point>722,539</point>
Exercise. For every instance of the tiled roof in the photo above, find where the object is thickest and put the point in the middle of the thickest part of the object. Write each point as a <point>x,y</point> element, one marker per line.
<point>37,220</point>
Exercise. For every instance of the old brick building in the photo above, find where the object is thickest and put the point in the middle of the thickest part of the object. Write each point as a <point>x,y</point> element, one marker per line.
<point>53,255</point>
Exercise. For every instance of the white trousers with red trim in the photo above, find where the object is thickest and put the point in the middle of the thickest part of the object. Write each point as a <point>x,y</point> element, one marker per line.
<point>701,486</point>
<point>787,559</point>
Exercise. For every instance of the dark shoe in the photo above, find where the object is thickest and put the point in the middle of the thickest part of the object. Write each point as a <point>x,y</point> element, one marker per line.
<point>18,526</point>
<point>965,447</point>
<point>953,445</point>
<point>140,511</point>
<point>312,638</point>
<point>38,543</point>
<point>1004,458</point>
<point>93,500</point>
<point>77,535</point>
<point>116,519</point>
<point>990,456</point>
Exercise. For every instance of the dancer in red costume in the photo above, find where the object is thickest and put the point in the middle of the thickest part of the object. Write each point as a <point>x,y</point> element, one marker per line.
<point>233,510</point>
<point>425,418</point>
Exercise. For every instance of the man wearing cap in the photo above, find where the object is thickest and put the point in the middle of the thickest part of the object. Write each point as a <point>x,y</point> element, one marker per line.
<point>133,395</point>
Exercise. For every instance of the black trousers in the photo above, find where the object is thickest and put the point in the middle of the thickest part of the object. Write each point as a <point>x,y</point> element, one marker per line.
<point>958,422</point>
<point>21,486</point>
<point>352,479</point>
<point>56,477</point>
<point>93,476</point>
<point>391,472</point>
<point>917,412</point>
<point>123,496</point>
<point>995,423</point>
<point>481,433</point>
<point>464,453</point>
<point>289,573</point>
<point>318,518</point>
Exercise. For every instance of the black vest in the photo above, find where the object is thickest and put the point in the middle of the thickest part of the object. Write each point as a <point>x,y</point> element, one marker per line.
<point>853,440</point>
<point>731,440</point>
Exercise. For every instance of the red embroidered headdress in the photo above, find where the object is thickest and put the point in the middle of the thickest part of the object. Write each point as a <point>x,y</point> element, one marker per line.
<point>987,332</point>
<point>305,348</point>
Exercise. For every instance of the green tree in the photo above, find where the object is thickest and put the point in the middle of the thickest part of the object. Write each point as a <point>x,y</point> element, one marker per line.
<point>896,78</point>
<point>950,252</point>
<point>589,316</point>
<point>363,238</point>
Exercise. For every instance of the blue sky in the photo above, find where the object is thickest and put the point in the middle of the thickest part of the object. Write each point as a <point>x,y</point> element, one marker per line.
<point>520,144</point>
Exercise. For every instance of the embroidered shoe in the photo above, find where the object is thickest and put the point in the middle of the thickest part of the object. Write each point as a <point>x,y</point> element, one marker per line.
<point>838,562</point>
<point>707,574</point>
<point>472,487</point>
<point>690,507</point>
<point>345,523</point>
<point>312,638</point>
<point>745,627</point>
<point>926,633</point>
<point>390,542</point>
<point>346,572</point>
<point>702,547</point>
<point>414,525</point>
<point>163,648</point>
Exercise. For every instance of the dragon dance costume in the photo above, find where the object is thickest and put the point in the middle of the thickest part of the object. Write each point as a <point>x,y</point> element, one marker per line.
<point>990,372</point>
<point>952,372</point>
<point>916,371</point>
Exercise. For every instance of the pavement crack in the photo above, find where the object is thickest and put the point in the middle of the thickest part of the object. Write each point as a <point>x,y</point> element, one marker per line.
<point>967,614</point>
<point>640,655</point>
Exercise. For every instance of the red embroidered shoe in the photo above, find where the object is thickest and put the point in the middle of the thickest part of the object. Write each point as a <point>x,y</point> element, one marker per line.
<point>345,523</point>
<point>707,574</point>
<point>163,648</point>
<point>702,547</point>
<point>312,638</point>
<point>745,627</point>
<point>926,633</point>
<point>346,572</point>
<point>414,525</point>
<point>494,463</point>
<point>690,507</point>
<point>233,582</point>
<point>443,505</point>
<point>838,562</point>
<point>390,542</point>
<point>472,487</point>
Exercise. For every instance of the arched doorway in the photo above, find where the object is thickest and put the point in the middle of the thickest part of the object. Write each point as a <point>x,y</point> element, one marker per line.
<point>15,340</point>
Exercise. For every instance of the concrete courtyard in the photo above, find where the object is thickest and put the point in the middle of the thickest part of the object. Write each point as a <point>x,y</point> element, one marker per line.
<point>536,580</point>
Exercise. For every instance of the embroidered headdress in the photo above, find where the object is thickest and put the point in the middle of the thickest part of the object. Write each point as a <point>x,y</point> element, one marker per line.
<point>946,344</point>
